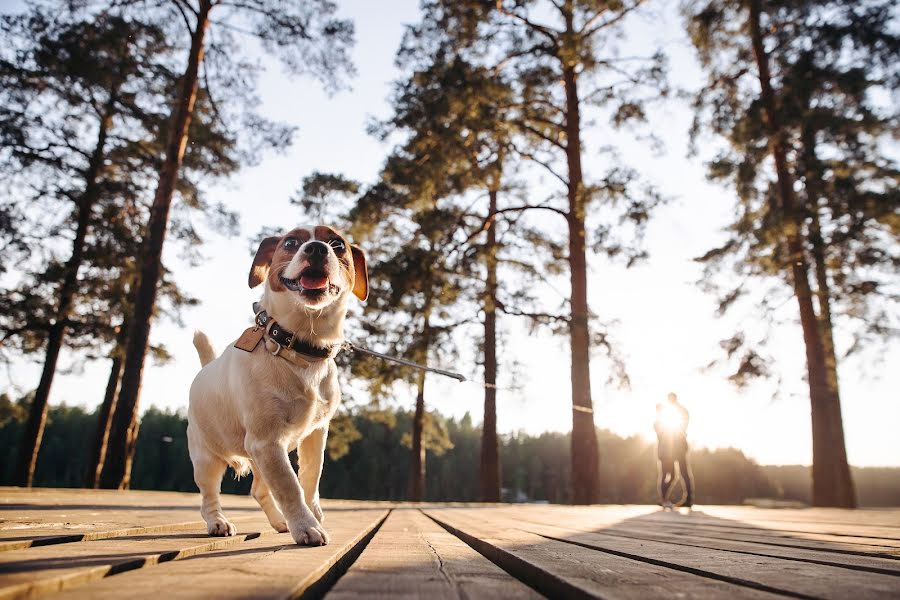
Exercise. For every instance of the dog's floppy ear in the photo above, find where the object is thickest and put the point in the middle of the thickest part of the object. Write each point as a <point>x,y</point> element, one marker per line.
<point>259,270</point>
<point>361,275</point>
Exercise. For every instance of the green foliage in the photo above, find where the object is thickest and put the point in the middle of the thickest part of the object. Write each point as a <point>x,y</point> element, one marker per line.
<point>342,433</point>
<point>87,106</point>
<point>435,437</point>
<point>10,410</point>
<point>831,64</point>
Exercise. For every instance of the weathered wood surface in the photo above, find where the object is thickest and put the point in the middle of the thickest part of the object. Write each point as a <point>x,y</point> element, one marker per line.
<point>412,557</point>
<point>109,544</point>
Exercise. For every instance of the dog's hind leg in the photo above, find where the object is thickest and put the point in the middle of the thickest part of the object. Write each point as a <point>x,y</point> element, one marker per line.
<point>208,472</point>
<point>311,456</point>
<point>261,493</point>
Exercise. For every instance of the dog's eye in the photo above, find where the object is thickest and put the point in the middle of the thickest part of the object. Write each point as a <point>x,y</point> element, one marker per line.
<point>338,246</point>
<point>291,243</point>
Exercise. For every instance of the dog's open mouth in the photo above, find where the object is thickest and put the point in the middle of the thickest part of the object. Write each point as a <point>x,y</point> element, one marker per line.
<point>311,281</point>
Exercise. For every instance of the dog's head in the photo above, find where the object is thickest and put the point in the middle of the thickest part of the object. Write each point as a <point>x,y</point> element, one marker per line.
<point>310,267</point>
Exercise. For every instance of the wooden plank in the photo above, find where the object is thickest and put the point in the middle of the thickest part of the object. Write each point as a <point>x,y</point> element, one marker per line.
<point>873,564</point>
<point>39,570</point>
<point>883,535</point>
<point>270,566</point>
<point>47,536</point>
<point>561,569</point>
<point>698,522</point>
<point>43,516</point>
<point>761,518</point>
<point>687,526</point>
<point>802,579</point>
<point>856,546</point>
<point>866,524</point>
<point>887,517</point>
<point>412,557</point>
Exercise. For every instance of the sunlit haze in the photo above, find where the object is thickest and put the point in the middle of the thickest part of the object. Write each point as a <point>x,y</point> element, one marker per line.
<point>666,327</point>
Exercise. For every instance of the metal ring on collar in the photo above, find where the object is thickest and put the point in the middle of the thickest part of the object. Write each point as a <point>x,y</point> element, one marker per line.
<point>256,318</point>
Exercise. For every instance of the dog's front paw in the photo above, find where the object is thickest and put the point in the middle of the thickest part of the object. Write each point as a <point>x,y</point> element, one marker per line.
<point>221,527</point>
<point>309,535</point>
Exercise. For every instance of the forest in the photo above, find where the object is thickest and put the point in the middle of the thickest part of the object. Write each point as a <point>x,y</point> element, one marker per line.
<point>489,215</point>
<point>368,460</point>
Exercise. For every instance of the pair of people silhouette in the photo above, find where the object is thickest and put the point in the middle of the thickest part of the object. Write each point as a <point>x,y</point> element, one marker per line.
<point>671,433</point>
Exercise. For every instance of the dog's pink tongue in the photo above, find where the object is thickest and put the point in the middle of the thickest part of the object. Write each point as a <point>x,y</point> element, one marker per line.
<point>313,282</point>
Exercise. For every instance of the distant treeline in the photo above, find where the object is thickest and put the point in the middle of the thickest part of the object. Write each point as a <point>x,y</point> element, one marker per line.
<point>369,459</point>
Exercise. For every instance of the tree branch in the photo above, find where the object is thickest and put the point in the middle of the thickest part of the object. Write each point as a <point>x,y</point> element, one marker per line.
<point>533,158</point>
<point>509,209</point>
<point>621,15</point>
<point>548,32</point>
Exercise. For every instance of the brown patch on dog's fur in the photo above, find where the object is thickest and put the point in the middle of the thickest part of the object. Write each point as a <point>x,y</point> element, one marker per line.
<point>272,252</point>
<point>259,270</point>
<point>361,274</point>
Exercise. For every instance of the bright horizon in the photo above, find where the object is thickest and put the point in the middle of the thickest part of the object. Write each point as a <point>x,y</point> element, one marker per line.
<point>667,329</point>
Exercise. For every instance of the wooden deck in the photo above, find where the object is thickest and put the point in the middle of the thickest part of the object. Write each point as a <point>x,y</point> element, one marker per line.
<point>104,544</point>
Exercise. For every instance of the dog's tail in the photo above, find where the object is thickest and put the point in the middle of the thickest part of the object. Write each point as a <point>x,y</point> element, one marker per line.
<point>204,348</point>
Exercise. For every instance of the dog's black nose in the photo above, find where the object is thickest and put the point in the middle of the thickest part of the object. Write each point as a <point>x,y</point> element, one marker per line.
<point>314,249</point>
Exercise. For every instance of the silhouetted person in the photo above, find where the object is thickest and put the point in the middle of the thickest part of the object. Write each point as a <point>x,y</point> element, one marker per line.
<point>671,432</point>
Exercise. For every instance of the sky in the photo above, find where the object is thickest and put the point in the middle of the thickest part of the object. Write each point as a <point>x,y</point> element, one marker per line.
<point>666,325</point>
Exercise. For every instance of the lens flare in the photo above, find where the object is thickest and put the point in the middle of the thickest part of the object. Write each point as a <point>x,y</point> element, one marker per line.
<point>671,419</point>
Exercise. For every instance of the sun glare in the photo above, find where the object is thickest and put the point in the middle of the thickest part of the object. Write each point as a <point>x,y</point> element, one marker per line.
<point>670,418</point>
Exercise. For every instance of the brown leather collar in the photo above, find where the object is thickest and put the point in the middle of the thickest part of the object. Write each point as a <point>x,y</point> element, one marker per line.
<point>286,338</point>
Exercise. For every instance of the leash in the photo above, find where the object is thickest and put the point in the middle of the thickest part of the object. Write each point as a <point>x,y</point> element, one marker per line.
<point>351,347</point>
<point>261,320</point>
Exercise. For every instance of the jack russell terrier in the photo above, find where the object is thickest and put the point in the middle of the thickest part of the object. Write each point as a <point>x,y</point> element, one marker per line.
<point>276,388</point>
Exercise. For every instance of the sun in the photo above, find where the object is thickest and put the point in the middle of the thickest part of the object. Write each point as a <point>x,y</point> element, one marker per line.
<point>670,418</point>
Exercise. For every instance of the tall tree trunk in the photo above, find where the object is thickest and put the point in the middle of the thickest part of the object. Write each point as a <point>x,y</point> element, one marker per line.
<point>417,464</point>
<point>585,454</point>
<point>830,487</point>
<point>123,434</point>
<point>107,409</point>
<point>815,190</point>
<point>490,447</point>
<point>37,415</point>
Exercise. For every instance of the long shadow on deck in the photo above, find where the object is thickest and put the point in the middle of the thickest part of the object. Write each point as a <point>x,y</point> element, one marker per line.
<point>723,551</point>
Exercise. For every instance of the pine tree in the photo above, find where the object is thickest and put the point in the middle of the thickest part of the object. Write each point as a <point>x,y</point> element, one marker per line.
<point>67,77</point>
<point>452,113</point>
<point>806,61</point>
<point>308,39</point>
<point>109,75</point>
<point>570,42</point>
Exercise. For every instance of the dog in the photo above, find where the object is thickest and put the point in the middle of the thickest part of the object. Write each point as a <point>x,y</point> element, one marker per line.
<point>277,387</point>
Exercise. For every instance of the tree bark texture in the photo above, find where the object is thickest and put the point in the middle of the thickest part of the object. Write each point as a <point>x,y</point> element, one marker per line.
<point>584,451</point>
<point>490,448</point>
<point>815,190</point>
<point>123,434</point>
<point>417,462</point>
<point>107,409</point>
